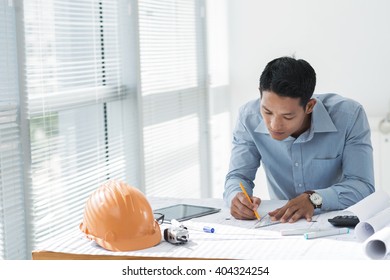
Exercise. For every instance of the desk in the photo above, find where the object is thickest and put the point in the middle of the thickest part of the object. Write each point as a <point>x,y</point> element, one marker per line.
<point>233,239</point>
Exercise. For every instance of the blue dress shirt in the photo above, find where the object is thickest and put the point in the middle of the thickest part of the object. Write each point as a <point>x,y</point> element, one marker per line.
<point>333,157</point>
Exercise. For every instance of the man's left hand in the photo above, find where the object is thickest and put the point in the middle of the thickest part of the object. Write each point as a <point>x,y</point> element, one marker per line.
<point>295,209</point>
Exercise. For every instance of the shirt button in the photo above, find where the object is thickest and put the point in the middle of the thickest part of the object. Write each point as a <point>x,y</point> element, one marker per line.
<point>296,164</point>
<point>300,185</point>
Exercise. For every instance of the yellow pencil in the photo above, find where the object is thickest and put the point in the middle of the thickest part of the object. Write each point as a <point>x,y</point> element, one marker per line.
<point>247,196</point>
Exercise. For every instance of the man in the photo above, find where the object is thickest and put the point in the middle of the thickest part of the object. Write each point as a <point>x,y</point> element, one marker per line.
<point>316,150</point>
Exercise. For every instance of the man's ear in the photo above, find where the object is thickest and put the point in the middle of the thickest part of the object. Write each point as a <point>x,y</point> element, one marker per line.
<point>310,105</point>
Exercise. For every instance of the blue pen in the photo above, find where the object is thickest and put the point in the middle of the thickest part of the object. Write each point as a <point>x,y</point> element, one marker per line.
<point>208,229</point>
<point>195,226</point>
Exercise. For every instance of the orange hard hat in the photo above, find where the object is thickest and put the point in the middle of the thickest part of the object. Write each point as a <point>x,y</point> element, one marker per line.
<point>118,217</point>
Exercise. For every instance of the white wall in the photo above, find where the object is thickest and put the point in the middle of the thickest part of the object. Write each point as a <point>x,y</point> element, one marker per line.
<point>346,41</point>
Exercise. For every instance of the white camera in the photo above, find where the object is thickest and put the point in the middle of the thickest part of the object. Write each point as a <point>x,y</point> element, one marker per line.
<point>176,234</point>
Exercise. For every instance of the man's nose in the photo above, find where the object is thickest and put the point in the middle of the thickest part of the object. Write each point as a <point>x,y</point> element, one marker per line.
<point>276,124</point>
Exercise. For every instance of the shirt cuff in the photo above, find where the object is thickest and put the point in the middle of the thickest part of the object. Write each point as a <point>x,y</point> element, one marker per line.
<point>330,199</point>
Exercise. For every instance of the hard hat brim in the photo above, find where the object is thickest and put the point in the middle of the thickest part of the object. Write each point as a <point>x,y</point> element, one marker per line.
<point>138,243</point>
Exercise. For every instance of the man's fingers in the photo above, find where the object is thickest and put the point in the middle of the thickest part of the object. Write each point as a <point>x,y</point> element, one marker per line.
<point>277,213</point>
<point>244,200</point>
<point>300,214</point>
<point>274,212</point>
<point>297,215</point>
<point>308,217</point>
<point>243,209</point>
<point>242,212</point>
<point>256,202</point>
<point>289,213</point>
<point>295,209</point>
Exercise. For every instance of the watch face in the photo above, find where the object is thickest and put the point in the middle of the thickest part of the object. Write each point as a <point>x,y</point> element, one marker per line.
<point>316,199</point>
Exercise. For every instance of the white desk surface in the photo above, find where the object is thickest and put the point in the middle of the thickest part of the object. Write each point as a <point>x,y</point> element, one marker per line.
<point>233,239</point>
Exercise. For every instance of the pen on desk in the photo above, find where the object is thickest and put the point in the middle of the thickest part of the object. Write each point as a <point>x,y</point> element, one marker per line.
<point>323,233</point>
<point>247,196</point>
<point>204,228</point>
<point>194,226</point>
<point>208,229</point>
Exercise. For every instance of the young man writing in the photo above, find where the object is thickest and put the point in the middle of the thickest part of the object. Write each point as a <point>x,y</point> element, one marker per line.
<point>316,150</point>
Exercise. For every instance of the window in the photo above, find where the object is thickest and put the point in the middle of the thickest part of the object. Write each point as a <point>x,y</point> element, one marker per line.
<point>76,109</point>
<point>12,223</point>
<point>174,98</point>
<point>96,90</point>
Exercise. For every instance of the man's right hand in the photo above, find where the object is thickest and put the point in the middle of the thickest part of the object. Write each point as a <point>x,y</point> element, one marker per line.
<point>242,209</point>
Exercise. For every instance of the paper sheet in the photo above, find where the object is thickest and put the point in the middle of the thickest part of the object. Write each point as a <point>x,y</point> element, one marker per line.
<point>233,239</point>
<point>264,208</point>
<point>228,242</point>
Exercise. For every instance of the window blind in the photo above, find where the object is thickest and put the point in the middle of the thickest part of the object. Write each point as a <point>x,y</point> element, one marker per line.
<point>12,229</point>
<point>173,96</point>
<point>76,108</point>
<point>77,119</point>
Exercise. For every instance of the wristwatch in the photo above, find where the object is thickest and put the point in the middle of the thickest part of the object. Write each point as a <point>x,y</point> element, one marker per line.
<point>315,199</point>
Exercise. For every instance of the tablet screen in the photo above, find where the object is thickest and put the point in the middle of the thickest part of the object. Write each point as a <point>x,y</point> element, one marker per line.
<point>182,212</point>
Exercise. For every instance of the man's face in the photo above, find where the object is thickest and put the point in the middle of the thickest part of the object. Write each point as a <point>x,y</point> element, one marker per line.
<point>284,116</point>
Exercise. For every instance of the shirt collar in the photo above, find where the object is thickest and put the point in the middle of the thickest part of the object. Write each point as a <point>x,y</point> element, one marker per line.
<point>262,128</point>
<point>320,122</point>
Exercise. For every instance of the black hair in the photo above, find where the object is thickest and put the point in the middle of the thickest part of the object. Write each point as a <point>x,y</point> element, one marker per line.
<point>287,76</point>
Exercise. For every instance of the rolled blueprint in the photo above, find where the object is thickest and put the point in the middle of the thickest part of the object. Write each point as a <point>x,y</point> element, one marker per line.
<point>370,205</point>
<point>377,246</point>
<point>365,229</point>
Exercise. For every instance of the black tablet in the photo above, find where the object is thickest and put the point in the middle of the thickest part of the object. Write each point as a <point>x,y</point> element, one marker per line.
<point>182,212</point>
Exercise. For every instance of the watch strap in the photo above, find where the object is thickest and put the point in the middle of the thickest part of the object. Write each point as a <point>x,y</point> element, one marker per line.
<point>314,205</point>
